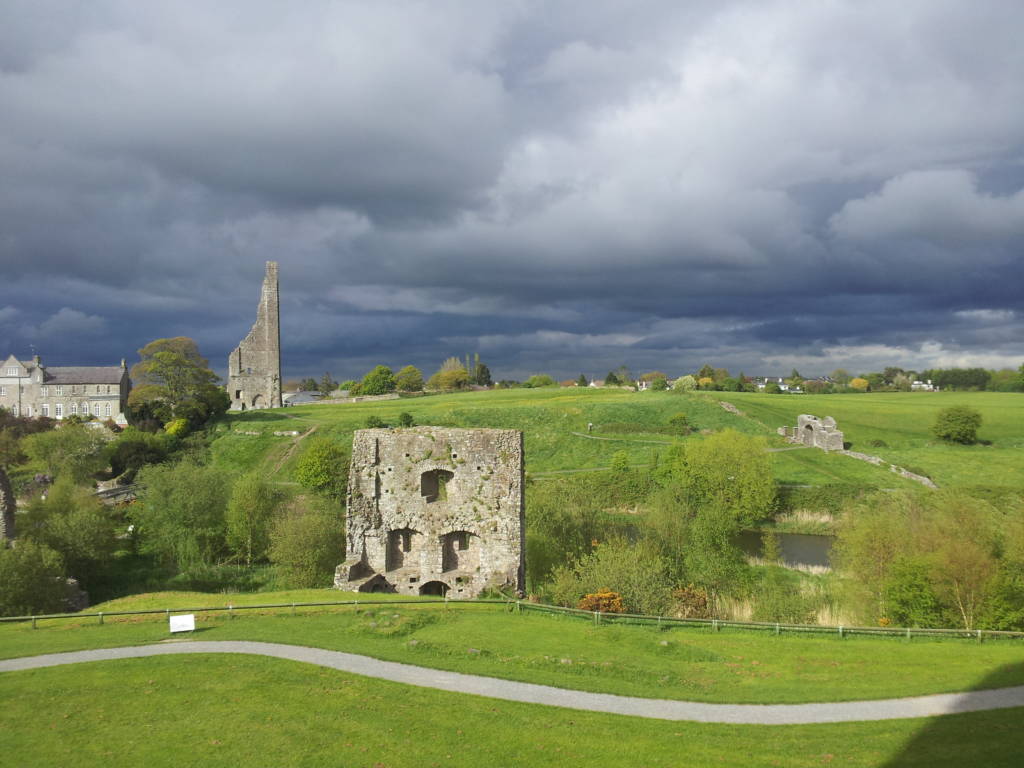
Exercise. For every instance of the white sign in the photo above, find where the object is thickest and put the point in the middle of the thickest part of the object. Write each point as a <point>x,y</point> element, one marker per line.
<point>186,623</point>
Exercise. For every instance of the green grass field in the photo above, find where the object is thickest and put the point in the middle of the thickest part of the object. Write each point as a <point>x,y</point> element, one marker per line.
<point>696,664</point>
<point>550,417</point>
<point>903,420</point>
<point>240,710</point>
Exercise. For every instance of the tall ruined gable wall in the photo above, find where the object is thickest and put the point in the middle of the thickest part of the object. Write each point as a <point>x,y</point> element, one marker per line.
<point>254,367</point>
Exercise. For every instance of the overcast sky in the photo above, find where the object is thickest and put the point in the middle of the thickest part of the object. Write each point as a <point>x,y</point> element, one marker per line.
<point>563,187</point>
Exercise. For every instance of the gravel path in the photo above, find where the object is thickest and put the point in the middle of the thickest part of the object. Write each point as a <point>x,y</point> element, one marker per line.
<point>661,709</point>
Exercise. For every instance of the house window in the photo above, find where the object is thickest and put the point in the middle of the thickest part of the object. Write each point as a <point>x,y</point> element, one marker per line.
<point>96,410</point>
<point>106,410</point>
<point>14,409</point>
<point>58,411</point>
<point>60,391</point>
<point>12,371</point>
<point>74,409</point>
<point>74,389</point>
<point>28,411</point>
<point>43,390</point>
<point>45,409</point>
<point>3,391</point>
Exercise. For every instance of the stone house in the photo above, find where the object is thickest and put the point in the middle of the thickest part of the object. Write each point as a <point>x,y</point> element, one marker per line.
<point>33,389</point>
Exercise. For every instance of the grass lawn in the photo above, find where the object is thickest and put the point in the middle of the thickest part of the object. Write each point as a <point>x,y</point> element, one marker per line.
<point>548,418</point>
<point>903,420</point>
<point>696,664</point>
<point>238,710</point>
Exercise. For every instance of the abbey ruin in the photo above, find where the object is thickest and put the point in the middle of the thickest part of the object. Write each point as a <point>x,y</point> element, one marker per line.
<point>254,368</point>
<point>815,432</point>
<point>434,511</point>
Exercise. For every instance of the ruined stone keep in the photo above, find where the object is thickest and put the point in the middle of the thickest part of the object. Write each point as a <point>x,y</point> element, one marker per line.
<point>7,507</point>
<point>254,368</point>
<point>814,432</point>
<point>434,511</point>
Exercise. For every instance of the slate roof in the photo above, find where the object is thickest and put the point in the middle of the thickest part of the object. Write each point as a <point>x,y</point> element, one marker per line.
<point>85,374</point>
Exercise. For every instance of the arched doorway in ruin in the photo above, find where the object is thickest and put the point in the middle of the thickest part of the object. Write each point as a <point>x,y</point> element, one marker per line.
<point>434,588</point>
<point>259,402</point>
<point>808,435</point>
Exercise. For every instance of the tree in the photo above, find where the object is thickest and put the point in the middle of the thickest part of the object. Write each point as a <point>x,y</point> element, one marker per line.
<point>727,469</point>
<point>582,381</point>
<point>10,449</point>
<point>409,379</point>
<point>957,424</point>
<point>31,580</point>
<point>327,384</point>
<point>249,514</point>
<point>73,451</point>
<point>71,521</point>
<point>405,419</point>
<point>379,381</point>
<point>307,543</point>
<point>308,385</point>
<point>180,513</point>
<point>611,380</point>
<point>860,383</point>
<point>540,380</point>
<point>685,383</point>
<point>323,467</point>
<point>133,449</point>
<point>174,381</point>
<point>706,372</point>
<point>659,385</point>
<point>455,378</point>
<point>482,375</point>
<point>349,385</point>
<point>840,376</point>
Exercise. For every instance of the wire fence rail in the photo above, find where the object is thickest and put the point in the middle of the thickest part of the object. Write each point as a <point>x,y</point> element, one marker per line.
<point>597,617</point>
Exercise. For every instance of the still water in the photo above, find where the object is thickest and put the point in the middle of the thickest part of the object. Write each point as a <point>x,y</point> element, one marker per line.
<point>799,550</point>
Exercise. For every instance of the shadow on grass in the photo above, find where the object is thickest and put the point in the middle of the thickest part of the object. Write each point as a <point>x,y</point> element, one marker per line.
<point>989,739</point>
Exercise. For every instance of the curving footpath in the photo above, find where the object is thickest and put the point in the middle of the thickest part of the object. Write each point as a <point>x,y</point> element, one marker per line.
<point>509,690</point>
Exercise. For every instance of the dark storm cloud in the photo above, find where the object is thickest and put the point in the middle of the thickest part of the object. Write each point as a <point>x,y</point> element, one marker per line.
<point>562,187</point>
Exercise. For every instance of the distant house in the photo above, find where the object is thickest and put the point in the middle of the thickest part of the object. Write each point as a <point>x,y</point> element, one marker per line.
<point>923,386</point>
<point>33,389</point>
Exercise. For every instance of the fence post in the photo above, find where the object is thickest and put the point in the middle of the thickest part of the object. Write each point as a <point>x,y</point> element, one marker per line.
<point>840,631</point>
<point>777,629</point>
<point>908,634</point>
<point>33,622</point>
<point>231,612</point>
<point>519,607</point>
<point>101,617</point>
<point>714,624</point>
<point>979,635</point>
<point>293,609</point>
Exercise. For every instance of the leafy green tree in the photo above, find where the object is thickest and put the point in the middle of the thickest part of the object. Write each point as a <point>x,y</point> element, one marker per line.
<point>323,467</point>
<point>582,381</point>
<point>351,386</point>
<point>909,596</point>
<point>957,424</point>
<point>636,571</point>
<point>659,385</point>
<point>73,451</point>
<point>327,384</point>
<point>31,580</point>
<point>10,449</point>
<point>71,521</point>
<point>712,559</point>
<point>379,381</point>
<point>451,376</point>
<point>174,381</point>
<point>249,514</point>
<point>611,380</point>
<point>409,379</point>
<point>706,372</point>
<point>728,470</point>
<point>309,385</point>
<point>540,380</point>
<point>685,383</point>
<point>307,543</point>
<point>180,515</point>
<point>482,375</point>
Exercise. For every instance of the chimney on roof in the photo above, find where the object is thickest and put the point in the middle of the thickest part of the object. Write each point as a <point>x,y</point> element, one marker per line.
<point>37,360</point>
<point>123,366</point>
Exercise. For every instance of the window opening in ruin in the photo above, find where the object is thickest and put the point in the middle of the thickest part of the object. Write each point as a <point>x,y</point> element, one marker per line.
<point>436,588</point>
<point>238,394</point>
<point>452,544</point>
<point>434,485</point>
<point>808,435</point>
<point>400,543</point>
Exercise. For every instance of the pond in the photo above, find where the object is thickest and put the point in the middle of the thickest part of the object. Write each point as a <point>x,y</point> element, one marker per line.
<point>803,551</point>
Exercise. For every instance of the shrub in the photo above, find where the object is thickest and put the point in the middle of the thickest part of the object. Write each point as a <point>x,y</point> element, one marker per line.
<point>307,544</point>
<point>177,428</point>
<point>680,423</point>
<point>405,419</point>
<point>860,384</point>
<point>31,580</point>
<point>692,602</point>
<point>375,422</point>
<point>540,380</point>
<point>603,601</point>
<point>685,383</point>
<point>323,467</point>
<point>957,424</point>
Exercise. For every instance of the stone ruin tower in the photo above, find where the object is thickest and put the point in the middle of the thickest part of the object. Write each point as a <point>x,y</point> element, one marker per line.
<point>815,432</point>
<point>7,507</point>
<point>254,368</point>
<point>434,511</point>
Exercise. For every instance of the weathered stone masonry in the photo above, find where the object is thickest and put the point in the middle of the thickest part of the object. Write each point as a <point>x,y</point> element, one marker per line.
<point>815,432</point>
<point>7,507</point>
<point>434,511</point>
<point>254,368</point>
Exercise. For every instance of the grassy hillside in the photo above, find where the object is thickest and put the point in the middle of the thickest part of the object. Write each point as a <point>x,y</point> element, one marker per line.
<point>903,420</point>
<point>554,422</point>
